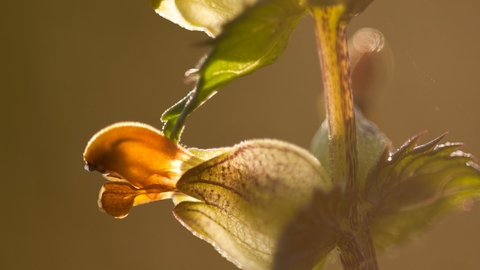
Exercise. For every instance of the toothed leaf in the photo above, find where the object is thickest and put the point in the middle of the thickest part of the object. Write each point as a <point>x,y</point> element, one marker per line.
<point>417,184</point>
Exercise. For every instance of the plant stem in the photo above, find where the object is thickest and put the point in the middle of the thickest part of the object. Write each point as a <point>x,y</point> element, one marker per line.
<point>332,47</point>
<point>357,251</point>
<point>356,247</point>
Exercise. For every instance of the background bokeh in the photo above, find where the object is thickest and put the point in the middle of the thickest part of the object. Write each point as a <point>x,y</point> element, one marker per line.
<point>69,68</point>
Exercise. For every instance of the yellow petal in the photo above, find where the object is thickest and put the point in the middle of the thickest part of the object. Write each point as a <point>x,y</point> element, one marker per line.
<point>137,153</point>
<point>118,198</point>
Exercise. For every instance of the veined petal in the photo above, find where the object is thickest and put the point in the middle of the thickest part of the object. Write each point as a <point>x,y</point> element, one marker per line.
<point>247,196</point>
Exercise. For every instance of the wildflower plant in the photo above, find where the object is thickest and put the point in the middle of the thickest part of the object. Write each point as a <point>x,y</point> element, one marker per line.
<point>268,204</point>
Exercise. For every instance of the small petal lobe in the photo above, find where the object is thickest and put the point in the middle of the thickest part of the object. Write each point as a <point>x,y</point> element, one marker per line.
<point>118,198</point>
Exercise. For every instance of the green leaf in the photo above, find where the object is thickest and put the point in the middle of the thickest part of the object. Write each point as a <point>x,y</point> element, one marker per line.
<point>417,184</point>
<point>247,196</point>
<point>255,39</point>
<point>201,15</point>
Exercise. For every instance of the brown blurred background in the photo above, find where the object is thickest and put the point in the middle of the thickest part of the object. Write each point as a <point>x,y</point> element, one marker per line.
<point>69,68</point>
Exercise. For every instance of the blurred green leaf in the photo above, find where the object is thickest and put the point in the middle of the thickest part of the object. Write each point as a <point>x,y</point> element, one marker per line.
<point>255,39</point>
<point>417,184</point>
<point>247,195</point>
<point>371,144</point>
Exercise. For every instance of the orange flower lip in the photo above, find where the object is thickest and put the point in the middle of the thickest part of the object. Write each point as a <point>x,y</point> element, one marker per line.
<point>143,165</point>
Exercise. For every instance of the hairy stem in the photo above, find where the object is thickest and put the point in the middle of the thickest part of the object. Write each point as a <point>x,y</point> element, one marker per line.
<point>332,47</point>
<point>356,248</point>
<point>357,251</point>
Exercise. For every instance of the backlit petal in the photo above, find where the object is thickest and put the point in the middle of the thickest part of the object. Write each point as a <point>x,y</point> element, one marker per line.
<point>117,198</point>
<point>139,154</point>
